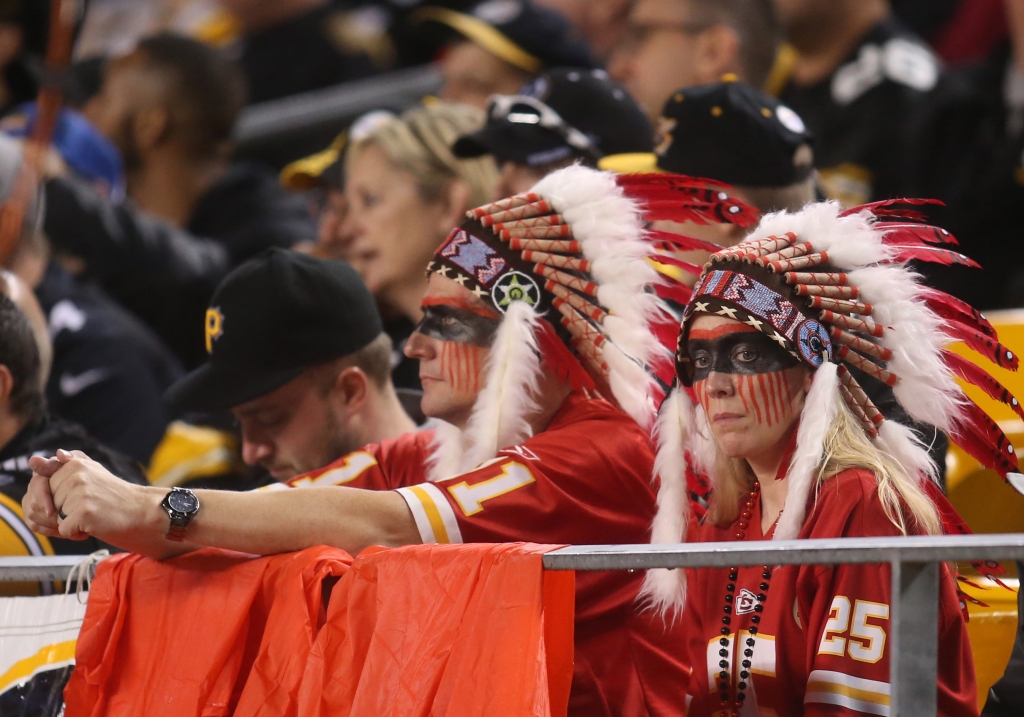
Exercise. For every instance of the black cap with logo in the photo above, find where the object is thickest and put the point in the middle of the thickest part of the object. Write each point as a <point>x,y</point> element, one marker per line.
<point>272,318</point>
<point>730,132</point>
<point>736,134</point>
<point>522,34</point>
<point>564,113</point>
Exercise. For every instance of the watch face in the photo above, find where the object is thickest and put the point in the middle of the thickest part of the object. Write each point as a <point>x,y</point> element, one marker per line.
<point>182,502</point>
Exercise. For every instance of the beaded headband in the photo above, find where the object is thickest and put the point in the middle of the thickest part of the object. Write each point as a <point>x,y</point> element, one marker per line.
<point>788,289</point>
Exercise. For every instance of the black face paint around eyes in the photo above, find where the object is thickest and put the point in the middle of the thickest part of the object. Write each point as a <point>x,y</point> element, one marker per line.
<point>746,352</point>
<point>447,323</point>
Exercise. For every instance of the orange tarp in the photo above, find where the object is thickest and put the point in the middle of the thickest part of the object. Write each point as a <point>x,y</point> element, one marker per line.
<point>458,631</point>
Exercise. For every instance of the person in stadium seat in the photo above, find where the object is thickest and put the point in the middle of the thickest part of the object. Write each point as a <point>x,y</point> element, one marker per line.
<point>170,107</point>
<point>500,45</point>
<point>404,189</point>
<point>767,408</point>
<point>109,370</point>
<point>537,377</point>
<point>602,22</point>
<point>968,150</point>
<point>678,43</point>
<point>564,116</point>
<point>299,356</point>
<point>27,429</point>
<point>728,131</point>
<point>858,77</point>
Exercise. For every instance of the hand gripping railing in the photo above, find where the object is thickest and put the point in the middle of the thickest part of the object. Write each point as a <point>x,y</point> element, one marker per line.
<point>913,616</point>
<point>914,613</point>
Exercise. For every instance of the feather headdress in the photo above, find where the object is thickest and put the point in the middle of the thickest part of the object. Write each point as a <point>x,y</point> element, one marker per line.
<point>833,288</point>
<point>572,269</point>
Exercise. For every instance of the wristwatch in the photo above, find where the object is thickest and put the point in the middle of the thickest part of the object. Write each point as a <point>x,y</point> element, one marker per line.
<point>181,505</point>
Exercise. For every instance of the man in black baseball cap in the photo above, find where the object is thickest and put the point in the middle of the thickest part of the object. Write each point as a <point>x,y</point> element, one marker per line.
<point>500,45</point>
<point>298,353</point>
<point>564,116</point>
<point>730,132</point>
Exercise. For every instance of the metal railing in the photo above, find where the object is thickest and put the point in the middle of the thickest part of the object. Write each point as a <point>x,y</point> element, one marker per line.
<point>913,616</point>
<point>30,568</point>
<point>914,611</point>
<point>281,130</point>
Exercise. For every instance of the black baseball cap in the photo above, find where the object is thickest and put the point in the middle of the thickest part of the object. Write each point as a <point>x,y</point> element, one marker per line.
<point>522,34</point>
<point>272,318</point>
<point>733,133</point>
<point>585,100</point>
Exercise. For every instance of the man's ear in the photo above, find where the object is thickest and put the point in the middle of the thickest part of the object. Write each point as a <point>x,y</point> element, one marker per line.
<point>808,380</point>
<point>352,387</point>
<point>454,203</point>
<point>718,50</point>
<point>151,126</point>
<point>6,386</point>
<point>11,42</point>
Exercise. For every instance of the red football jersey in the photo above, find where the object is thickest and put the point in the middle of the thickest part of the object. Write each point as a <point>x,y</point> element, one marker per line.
<point>586,479</point>
<point>821,646</point>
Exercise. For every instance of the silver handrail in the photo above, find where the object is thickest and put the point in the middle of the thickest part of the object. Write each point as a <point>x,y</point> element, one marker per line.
<point>913,615</point>
<point>913,620</point>
<point>34,567</point>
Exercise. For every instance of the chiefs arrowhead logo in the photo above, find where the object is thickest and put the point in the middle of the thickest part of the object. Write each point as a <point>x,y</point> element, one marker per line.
<point>745,602</point>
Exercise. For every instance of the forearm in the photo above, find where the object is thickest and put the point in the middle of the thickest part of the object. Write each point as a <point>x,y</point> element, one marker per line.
<point>270,522</point>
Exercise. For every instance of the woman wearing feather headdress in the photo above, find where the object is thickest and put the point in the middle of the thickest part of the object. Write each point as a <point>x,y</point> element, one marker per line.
<point>775,343</point>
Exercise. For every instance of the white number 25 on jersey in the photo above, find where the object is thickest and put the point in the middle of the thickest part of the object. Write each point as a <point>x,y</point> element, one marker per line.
<point>865,641</point>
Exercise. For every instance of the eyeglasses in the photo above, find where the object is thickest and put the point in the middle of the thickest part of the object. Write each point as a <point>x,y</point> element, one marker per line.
<point>521,109</point>
<point>637,35</point>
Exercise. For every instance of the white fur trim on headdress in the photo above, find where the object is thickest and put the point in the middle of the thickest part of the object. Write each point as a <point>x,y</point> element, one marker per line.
<point>905,446</point>
<point>502,412</point>
<point>926,388</point>
<point>610,229</point>
<point>820,408</point>
<point>665,590</point>
<point>446,452</point>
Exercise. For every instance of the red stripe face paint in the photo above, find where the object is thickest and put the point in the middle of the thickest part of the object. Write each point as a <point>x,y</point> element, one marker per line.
<point>462,366</point>
<point>768,399</point>
<point>750,387</point>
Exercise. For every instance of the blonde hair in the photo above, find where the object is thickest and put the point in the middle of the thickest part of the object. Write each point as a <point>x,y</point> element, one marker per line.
<point>420,142</point>
<point>846,446</point>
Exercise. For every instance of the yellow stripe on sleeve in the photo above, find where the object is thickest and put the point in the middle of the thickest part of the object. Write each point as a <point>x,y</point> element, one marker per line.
<point>433,514</point>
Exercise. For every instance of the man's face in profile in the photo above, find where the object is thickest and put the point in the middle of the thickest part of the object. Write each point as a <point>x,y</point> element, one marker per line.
<point>452,343</point>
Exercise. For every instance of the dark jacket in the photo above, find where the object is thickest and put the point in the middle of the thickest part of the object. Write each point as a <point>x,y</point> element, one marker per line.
<point>42,438</point>
<point>110,370</point>
<point>860,115</point>
<point>967,156</point>
<point>164,274</point>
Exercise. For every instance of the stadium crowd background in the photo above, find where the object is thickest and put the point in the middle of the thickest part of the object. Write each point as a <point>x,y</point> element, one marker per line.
<point>149,202</point>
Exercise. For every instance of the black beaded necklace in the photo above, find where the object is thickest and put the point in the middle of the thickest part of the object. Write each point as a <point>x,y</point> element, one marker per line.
<point>727,709</point>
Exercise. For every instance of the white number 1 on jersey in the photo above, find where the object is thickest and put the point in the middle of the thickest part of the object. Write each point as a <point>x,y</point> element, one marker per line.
<point>471,498</point>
